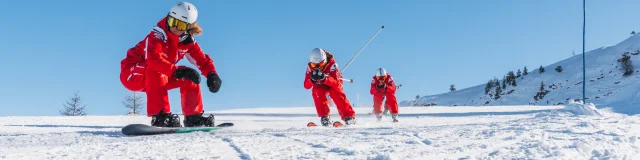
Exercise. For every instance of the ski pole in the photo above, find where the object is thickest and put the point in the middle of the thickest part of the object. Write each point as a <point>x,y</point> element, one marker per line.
<point>346,79</point>
<point>365,45</point>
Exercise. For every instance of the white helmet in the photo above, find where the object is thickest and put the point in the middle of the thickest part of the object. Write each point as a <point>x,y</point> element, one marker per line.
<point>318,55</point>
<point>381,72</point>
<point>184,11</point>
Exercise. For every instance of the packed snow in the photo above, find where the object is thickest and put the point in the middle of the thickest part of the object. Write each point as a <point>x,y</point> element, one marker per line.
<point>606,85</point>
<point>476,132</point>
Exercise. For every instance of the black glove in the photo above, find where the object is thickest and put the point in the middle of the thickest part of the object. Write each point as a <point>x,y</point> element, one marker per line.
<point>381,86</point>
<point>188,73</point>
<point>317,76</point>
<point>312,76</point>
<point>213,82</point>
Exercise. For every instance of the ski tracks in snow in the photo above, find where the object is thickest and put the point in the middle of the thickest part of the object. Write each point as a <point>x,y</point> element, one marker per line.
<point>279,144</point>
<point>242,152</point>
<point>538,136</point>
<point>542,135</point>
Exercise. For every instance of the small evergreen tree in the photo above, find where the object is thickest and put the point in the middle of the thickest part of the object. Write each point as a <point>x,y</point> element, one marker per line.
<point>540,94</point>
<point>541,70</point>
<point>498,91</point>
<point>488,87</point>
<point>452,88</point>
<point>627,66</point>
<point>511,77</point>
<point>525,71</point>
<point>504,83</point>
<point>519,74</point>
<point>559,69</point>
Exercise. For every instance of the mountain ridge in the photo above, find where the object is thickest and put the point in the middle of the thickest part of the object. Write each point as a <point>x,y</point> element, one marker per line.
<point>606,87</point>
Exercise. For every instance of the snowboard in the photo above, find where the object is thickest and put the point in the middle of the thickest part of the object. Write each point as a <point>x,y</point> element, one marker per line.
<point>144,129</point>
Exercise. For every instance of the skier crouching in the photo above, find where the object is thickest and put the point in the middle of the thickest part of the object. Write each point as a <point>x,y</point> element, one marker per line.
<point>383,86</point>
<point>150,67</point>
<point>324,77</point>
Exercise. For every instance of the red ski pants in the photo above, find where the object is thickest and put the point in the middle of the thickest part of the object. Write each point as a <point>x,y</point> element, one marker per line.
<point>391,103</point>
<point>156,85</point>
<point>339,99</point>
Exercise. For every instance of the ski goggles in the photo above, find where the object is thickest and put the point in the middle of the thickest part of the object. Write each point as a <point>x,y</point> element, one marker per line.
<point>380,78</point>
<point>317,65</point>
<point>180,25</point>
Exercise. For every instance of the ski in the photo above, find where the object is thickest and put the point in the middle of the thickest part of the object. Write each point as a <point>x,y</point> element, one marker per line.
<point>144,129</point>
<point>336,124</point>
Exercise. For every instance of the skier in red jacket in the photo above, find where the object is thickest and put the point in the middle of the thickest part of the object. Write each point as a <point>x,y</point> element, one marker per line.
<point>324,78</point>
<point>150,67</point>
<point>383,86</point>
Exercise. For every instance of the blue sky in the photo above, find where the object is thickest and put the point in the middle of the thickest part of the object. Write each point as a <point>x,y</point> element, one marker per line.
<point>51,49</point>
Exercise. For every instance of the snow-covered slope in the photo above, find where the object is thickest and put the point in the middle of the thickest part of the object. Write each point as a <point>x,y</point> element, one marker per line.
<point>479,132</point>
<point>606,86</point>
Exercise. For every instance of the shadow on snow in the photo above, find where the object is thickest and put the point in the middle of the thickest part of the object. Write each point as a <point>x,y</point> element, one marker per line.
<point>103,133</point>
<point>60,126</point>
<point>463,114</point>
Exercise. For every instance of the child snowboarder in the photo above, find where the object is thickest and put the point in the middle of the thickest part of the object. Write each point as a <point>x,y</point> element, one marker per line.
<point>150,67</point>
<point>383,86</point>
<point>324,77</point>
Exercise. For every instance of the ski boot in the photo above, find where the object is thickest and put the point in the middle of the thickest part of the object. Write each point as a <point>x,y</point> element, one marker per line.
<point>197,120</point>
<point>379,117</point>
<point>394,117</point>
<point>350,120</point>
<point>325,121</point>
<point>165,120</point>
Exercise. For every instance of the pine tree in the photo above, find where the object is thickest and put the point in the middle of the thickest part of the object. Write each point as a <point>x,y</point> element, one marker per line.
<point>541,70</point>
<point>498,91</point>
<point>559,69</point>
<point>627,65</point>
<point>511,77</point>
<point>519,74</point>
<point>452,88</point>
<point>134,103</point>
<point>504,83</point>
<point>525,71</point>
<point>488,87</point>
<point>74,107</point>
<point>417,96</point>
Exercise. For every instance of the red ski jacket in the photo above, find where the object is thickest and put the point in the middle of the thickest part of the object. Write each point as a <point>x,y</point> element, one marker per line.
<point>391,86</point>
<point>161,50</point>
<point>333,79</point>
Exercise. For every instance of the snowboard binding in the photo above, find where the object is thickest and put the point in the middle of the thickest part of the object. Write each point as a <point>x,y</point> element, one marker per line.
<point>165,120</point>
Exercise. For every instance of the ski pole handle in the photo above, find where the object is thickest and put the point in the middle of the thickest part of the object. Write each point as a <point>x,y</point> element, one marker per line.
<point>346,79</point>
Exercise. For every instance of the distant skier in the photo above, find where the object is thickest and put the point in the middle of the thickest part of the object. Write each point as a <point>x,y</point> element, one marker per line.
<point>383,86</point>
<point>324,77</point>
<point>150,67</point>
